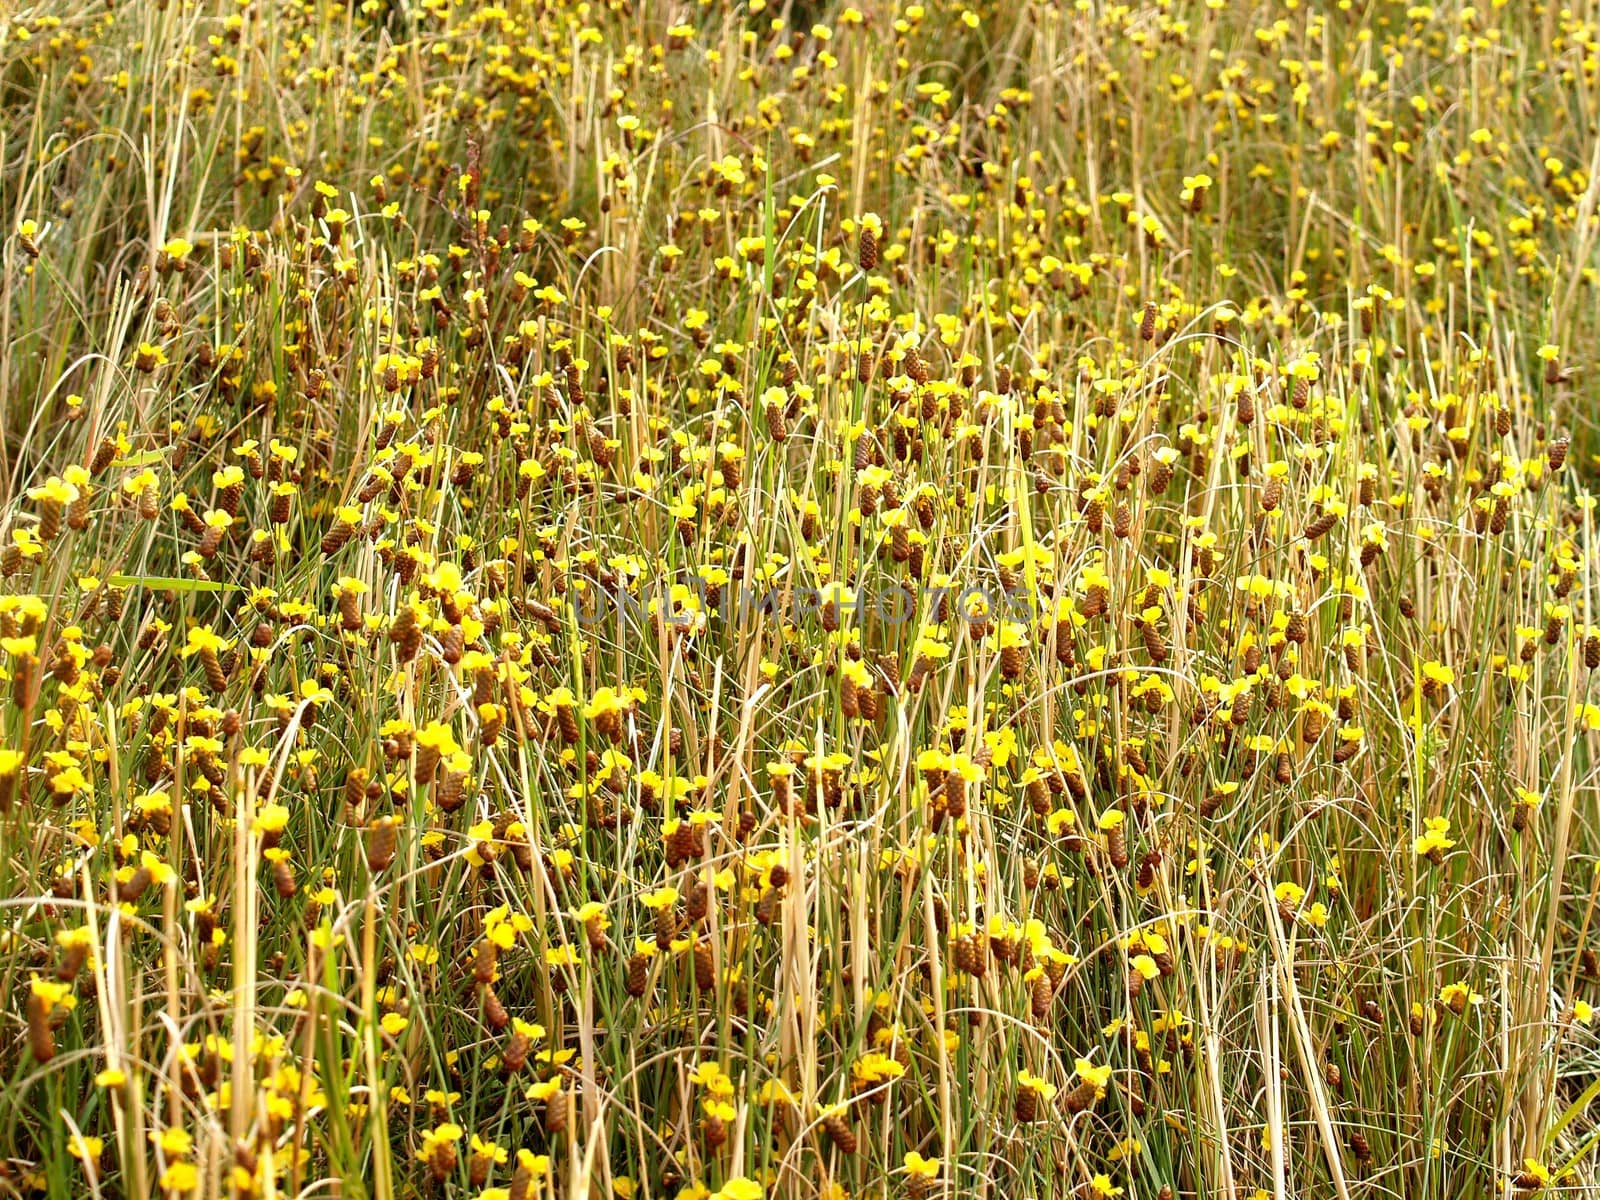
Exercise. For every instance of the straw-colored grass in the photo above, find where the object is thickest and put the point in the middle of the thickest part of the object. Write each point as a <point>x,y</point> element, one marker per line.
<point>612,599</point>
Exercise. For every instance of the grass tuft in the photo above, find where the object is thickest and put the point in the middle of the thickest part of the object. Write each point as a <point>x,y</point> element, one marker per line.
<point>734,601</point>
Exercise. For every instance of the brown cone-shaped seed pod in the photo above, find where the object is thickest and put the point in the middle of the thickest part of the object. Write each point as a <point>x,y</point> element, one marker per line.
<point>1026,1106</point>
<point>515,1055</point>
<point>867,249</point>
<point>349,611</point>
<point>449,791</point>
<point>1039,797</point>
<point>666,926</point>
<point>697,903</point>
<point>1147,870</point>
<point>638,975</point>
<point>705,978</point>
<point>283,880</point>
<point>104,455</point>
<point>383,837</point>
<point>78,510</point>
<point>41,1040</point>
<point>442,1162</point>
<point>135,887</point>
<point>715,1130</point>
<point>485,961</point>
<point>426,762</point>
<point>1271,494</point>
<point>1556,453</point>
<point>336,537</point>
<point>355,789</point>
<point>1081,1097</point>
<point>49,519</point>
<point>211,541</point>
<point>1117,845</point>
<point>1040,997</point>
<point>494,1012</point>
<point>849,705</point>
<point>555,1113</point>
<point>1320,526</point>
<point>567,720</point>
<point>955,796</point>
<point>1011,663</point>
<point>72,961</point>
<point>1154,643</point>
<point>840,1133</point>
<point>522,1183</point>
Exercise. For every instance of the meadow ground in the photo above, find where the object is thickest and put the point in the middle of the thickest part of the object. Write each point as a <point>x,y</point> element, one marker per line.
<point>614,598</point>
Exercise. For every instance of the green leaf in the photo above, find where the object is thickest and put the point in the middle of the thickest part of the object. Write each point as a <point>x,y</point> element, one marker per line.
<point>170,583</point>
<point>1574,1110</point>
<point>142,459</point>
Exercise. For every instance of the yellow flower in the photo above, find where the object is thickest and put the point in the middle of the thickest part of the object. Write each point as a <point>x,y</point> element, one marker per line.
<point>441,1135</point>
<point>964,766</point>
<point>272,819</point>
<point>1534,1175</point>
<point>488,1150</point>
<point>549,1089</point>
<point>51,993</point>
<point>174,1142</point>
<point>604,702</point>
<point>711,1076</point>
<point>1289,894</point>
<point>180,1177</point>
<point>54,490</point>
<point>740,1188</point>
<point>872,1069</point>
<point>434,736</point>
<point>1435,840</point>
<point>663,897</point>
<point>1098,1077</point>
<point>202,639</point>
<point>1457,996</point>
<point>1043,1088</point>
